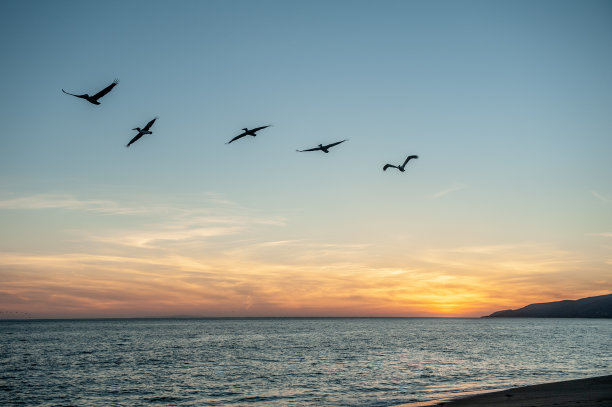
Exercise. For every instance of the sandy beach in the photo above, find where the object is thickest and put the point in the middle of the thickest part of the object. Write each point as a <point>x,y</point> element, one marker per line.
<point>591,392</point>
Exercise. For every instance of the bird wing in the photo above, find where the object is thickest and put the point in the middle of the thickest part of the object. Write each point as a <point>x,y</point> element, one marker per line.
<point>259,128</point>
<point>310,149</point>
<point>335,144</point>
<point>72,94</point>
<point>148,126</point>
<point>105,90</point>
<point>410,157</point>
<point>387,166</point>
<point>136,137</point>
<point>237,137</point>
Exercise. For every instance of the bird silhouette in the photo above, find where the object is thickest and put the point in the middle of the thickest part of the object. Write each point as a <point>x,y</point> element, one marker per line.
<point>248,132</point>
<point>141,132</point>
<point>323,148</point>
<point>400,167</point>
<point>94,99</point>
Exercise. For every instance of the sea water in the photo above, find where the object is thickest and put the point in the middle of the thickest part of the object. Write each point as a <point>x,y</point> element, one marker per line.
<point>278,362</point>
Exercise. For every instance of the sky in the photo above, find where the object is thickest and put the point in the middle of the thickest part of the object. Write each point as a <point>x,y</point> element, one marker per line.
<point>507,103</point>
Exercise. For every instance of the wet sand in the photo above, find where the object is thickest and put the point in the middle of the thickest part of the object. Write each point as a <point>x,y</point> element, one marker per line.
<point>591,392</point>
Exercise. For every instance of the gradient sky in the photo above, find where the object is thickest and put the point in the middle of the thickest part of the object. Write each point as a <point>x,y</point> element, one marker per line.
<point>508,105</point>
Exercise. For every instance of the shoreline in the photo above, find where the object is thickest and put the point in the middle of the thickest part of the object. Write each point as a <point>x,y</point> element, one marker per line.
<point>589,392</point>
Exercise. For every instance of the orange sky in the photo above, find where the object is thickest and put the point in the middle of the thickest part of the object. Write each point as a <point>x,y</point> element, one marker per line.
<point>224,266</point>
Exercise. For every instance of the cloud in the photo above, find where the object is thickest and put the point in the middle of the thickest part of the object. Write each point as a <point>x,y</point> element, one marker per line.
<point>449,190</point>
<point>165,224</point>
<point>199,205</point>
<point>68,202</point>
<point>165,236</point>
<point>185,227</point>
<point>468,281</point>
<point>298,251</point>
<point>602,234</point>
<point>518,274</point>
<point>603,198</point>
<point>221,259</point>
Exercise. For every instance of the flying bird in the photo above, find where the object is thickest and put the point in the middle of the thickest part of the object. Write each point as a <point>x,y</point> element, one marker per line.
<point>141,132</point>
<point>401,167</point>
<point>323,148</point>
<point>248,132</point>
<point>94,99</point>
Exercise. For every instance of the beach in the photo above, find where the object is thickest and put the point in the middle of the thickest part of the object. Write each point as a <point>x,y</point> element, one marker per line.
<point>590,392</point>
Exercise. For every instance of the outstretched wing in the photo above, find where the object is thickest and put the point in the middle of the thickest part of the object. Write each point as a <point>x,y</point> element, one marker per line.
<point>105,90</point>
<point>135,139</point>
<point>335,144</point>
<point>260,128</point>
<point>310,149</point>
<point>387,166</point>
<point>148,126</point>
<point>237,137</point>
<point>410,157</point>
<point>72,94</point>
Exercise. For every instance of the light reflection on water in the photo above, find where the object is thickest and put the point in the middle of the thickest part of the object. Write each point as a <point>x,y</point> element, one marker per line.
<point>356,362</point>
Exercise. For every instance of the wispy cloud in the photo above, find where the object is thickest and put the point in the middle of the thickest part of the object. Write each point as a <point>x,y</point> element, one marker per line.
<point>150,225</point>
<point>601,197</point>
<point>467,280</point>
<point>185,227</point>
<point>200,205</point>
<point>68,202</point>
<point>299,251</point>
<point>449,190</point>
<point>602,234</point>
<point>220,259</point>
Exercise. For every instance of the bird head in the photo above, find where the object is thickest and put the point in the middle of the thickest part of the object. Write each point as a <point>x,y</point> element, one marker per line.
<point>137,128</point>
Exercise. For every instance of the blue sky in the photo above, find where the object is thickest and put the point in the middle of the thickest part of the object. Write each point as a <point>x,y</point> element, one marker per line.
<point>506,103</point>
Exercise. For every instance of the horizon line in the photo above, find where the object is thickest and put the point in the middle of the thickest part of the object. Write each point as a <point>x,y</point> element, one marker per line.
<point>179,317</point>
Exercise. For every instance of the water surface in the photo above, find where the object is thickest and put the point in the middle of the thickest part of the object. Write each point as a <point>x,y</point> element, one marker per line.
<point>340,362</point>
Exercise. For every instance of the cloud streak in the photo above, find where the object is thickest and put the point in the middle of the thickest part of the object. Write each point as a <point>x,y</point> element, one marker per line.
<point>149,226</point>
<point>447,191</point>
<point>602,234</point>
<point>68,202</point>
<point>225,260</point>
<point>601,197</point>
<point>468,281</point>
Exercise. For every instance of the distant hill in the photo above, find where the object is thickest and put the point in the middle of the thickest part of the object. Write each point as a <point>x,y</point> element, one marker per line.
<point>591,307</point>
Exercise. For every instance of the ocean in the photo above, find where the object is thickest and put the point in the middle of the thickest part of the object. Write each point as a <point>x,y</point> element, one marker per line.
<point>285,361</point>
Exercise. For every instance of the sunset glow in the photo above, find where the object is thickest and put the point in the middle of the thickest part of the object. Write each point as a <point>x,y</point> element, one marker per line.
<point>509,202</point>
<point>201,263</point>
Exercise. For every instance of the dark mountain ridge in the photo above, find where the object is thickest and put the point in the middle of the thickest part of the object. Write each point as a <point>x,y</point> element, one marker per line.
<point>590,307</point>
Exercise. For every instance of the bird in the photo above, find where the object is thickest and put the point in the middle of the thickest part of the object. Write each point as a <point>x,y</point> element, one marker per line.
<point>401,167</point>
<point>142,132</point>
<point>248,132</point>
<point>323,148</point>
<point>94,99</point>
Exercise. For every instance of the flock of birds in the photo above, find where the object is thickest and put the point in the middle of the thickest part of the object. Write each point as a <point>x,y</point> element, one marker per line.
<point>252,132</point>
